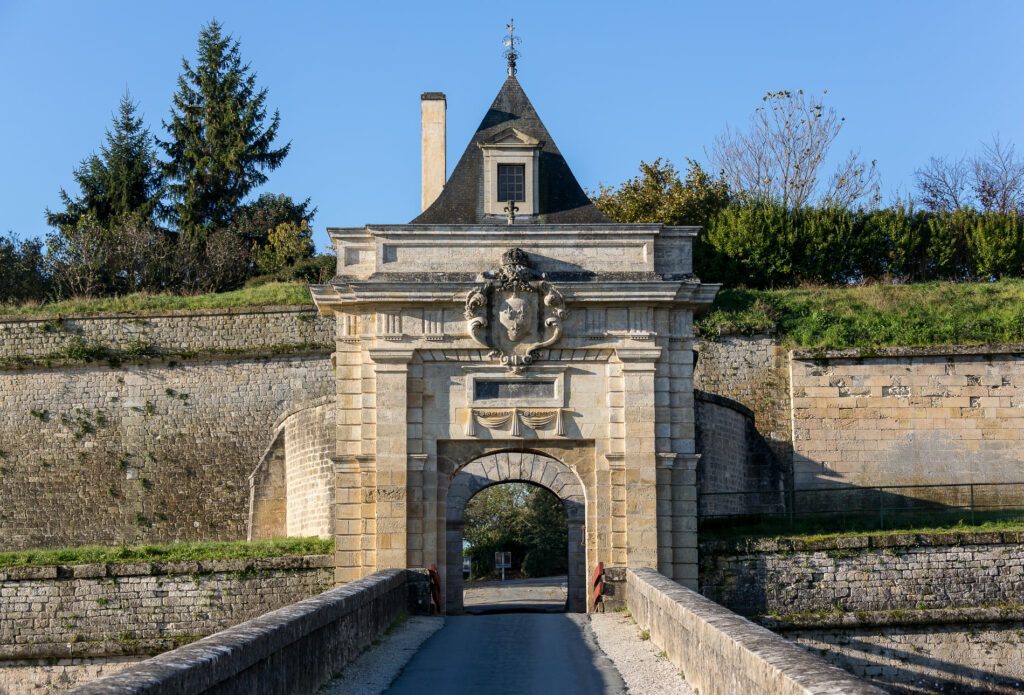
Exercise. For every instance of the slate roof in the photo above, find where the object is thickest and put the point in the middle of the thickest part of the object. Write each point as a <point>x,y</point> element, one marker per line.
<point>561,200</point>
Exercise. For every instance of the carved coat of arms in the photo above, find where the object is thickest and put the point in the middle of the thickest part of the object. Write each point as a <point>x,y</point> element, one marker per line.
<point>515,312</point>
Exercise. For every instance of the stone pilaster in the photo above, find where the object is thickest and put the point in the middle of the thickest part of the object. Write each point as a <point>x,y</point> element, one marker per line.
<point>391,367</point>
<point>640,474</point>
<point>348,516</point>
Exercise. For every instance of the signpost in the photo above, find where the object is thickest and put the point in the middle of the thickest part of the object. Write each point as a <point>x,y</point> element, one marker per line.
<point>502,560</point>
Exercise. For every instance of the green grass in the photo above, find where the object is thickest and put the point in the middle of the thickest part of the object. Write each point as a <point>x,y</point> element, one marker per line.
<point>269,294</point>
<point>931,313</point>
<point>167,552</point>
<point>839,526</point>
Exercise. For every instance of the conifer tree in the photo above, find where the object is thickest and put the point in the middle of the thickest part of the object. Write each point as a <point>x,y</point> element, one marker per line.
<point>218,149</point>
<point>123,179</point>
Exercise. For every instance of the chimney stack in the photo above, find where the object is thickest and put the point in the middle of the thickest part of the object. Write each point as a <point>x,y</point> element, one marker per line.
<point>432,121</point>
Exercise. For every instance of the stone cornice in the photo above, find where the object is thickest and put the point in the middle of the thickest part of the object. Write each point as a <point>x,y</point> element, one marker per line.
<point>329,298</point>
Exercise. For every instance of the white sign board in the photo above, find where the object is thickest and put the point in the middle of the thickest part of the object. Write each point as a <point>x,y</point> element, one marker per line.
<point>467,564</point>
<point>502,560</point>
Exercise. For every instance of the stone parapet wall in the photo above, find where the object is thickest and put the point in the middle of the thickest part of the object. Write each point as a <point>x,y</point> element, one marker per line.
<point>233,329</point>
<point>897,572</point>
<point>148,452</point>
<point>60,625</point>
<point>721,653</point>
<point>294,649</point>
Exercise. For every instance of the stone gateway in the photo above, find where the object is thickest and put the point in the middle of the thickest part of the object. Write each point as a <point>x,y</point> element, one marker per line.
<point>512,332</point>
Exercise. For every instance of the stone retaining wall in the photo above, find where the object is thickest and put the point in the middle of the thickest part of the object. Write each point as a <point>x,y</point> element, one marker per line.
<point>752,371</point>
<point>721,653</point>
<point>909,416</point>
<point>291,650</point>
<point>232,329</point>
<point>956,658</point>
<point>61,625</point>
<point>147,452</point>
<point>737,472</point>
<point>865,573</point>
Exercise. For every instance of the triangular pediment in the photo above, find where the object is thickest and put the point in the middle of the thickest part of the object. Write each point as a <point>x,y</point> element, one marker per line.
<point>511,137</point>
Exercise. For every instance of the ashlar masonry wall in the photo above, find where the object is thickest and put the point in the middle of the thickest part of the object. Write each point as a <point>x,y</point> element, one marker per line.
<point>145,449</point>
<point>911,416</point>
<point>63,625</point>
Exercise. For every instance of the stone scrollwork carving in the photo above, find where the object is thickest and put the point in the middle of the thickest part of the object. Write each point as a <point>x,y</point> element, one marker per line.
<point>515,312</point>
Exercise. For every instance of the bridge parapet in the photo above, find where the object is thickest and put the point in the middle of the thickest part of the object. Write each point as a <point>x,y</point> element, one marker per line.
<point>294,649</point>
<point>722,653</point>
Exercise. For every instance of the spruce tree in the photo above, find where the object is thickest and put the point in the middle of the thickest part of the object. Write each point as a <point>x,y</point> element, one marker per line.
<point>122,179</point>
<point>218,148</point>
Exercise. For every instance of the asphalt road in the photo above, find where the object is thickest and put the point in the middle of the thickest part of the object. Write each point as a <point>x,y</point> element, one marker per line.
<point>515,653</point>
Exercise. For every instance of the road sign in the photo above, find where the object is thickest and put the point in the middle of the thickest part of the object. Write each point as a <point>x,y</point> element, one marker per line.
<point>502,561</point>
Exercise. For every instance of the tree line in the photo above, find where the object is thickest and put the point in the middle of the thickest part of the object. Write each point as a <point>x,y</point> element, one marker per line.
<point>526,520</point>
<point>180,222</point>
<point>773,217</point>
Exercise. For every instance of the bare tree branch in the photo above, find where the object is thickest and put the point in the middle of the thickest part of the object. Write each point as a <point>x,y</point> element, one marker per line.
<point>943,184</point>
<point>781,155</point>
<point>999,177</point>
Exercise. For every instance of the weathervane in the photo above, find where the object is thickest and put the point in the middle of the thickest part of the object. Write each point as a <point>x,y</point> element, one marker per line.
<point>512,54</point>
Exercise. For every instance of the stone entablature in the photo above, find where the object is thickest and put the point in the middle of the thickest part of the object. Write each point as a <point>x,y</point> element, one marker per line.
<point>564,251</point>
<point>570,342</point>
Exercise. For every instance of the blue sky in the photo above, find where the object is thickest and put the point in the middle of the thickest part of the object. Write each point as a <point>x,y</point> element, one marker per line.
<point>615,82</point>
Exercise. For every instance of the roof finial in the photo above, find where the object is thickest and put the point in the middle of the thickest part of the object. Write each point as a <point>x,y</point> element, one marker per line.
<point>511,40</point>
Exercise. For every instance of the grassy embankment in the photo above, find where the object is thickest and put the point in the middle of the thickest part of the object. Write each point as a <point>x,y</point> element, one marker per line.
<point>269,294</point>
<point>167,552</point>
<point>931,313</point>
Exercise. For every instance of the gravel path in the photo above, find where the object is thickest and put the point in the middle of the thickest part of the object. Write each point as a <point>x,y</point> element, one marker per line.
<point>637,660</point>
<point>377,667</point>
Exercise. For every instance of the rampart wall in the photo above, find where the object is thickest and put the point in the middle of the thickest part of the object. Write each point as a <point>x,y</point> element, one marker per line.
<point>62,625</point>
<point>146,447</point>
<point>865,573</point>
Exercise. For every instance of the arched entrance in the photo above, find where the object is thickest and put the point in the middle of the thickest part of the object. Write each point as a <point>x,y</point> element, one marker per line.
<point>512,467</point>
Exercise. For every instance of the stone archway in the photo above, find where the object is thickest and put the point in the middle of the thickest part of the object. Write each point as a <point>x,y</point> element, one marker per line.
<point>516,467</point>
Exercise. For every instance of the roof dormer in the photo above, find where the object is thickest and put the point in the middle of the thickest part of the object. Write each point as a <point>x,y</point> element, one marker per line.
<point>511,170</point>
<point>511,156</point>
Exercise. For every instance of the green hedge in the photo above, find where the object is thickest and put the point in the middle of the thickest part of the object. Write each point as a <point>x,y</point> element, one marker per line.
<point>763,245</point>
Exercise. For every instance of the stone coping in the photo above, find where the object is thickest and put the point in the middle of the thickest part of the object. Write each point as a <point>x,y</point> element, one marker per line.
<point>922,351</point>
<point>723,653</point>
<point>864,542</point>
<point>161,313</point>
<point>249,649</point>
<point>964,615</point>
<point>83,650</point>
<point>161,568</point>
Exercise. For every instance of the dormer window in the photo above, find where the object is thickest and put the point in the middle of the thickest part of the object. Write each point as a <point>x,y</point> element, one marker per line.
<point>511,182</point>
<point>511,172</point>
